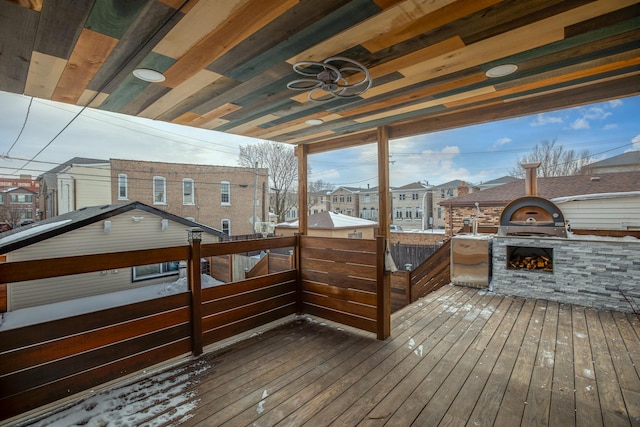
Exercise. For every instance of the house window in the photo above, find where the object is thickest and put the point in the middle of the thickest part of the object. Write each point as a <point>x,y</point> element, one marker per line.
<point>123,192</point>
<point>349,198</point>
<point>1,198</point>
<point>398,213</point>
<point>364,213</point>
<point>335,199</point>
<point>21,198</point>
<point>418,213</point>
<point>439,213</point>
<point>342,198</point>
<point>374,215</point>
<point>408,213</point>
<point>226,226</point>
<point>401,196</point>
<point>159,190</point>
<point>225,193</point>
<point>150,271</point>
<point>188,196</point>
<point>367,198</point>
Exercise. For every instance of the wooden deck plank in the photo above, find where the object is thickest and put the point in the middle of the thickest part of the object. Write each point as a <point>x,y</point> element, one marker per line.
<point>611,400</point>
<point>429,353</point>
<point>465,400</point>
<point>442,399</point>
<point>489,402</point>
<point>514,401</point>
<point>562,392</point>
<point>627,376</point>
<point>586,388</point>
<point>332,401</point>
<point>536,411</point>
<point>460,356</point>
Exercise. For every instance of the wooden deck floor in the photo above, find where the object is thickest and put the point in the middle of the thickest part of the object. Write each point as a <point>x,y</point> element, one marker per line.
<point>458,357</point>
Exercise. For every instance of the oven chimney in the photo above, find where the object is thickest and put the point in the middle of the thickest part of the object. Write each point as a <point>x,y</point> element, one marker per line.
<point>531,178</point>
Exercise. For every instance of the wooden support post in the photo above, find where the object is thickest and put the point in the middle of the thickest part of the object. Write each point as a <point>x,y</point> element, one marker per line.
<point>303,199</point>
<point>195,286</point>
<point>384,278</point>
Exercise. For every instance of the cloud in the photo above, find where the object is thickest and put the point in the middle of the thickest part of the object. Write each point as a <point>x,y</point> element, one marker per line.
<point>544,119</point>
<point>615,103</point>
<point>500,142</point>
<point>580,124</point>
<point>636,144</point>
<point>610,126</point>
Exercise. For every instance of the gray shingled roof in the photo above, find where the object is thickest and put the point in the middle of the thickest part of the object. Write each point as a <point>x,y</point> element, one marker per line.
<point>624,159</point>
<point>550,188</point>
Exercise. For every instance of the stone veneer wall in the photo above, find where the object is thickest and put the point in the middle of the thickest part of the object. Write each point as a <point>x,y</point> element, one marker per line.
<point>588,272</point>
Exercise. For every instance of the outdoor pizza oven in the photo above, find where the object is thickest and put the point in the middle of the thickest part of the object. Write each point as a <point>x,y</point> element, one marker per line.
<point>532,215</point>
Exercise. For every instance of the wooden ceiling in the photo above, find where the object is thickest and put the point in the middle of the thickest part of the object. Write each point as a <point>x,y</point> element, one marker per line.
<point>227,62</point>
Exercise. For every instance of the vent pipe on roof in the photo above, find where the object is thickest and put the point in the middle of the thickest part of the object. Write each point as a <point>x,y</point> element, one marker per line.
<point>531,178</point>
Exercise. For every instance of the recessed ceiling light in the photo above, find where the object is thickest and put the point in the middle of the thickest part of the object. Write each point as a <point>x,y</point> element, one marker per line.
<point>314,122</point>
<point>148,75</point>
<point>501,70</point>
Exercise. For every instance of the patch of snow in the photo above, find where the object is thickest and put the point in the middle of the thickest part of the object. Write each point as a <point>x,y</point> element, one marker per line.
<point>166,398</point>
<point>34,229</point>
<point>44,313</point>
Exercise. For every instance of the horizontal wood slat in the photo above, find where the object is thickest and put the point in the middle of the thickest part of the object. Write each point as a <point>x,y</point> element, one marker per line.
<point>35,397</point>
<point>231,329</point>
<point>77,325</point>
<point>352,245</point>
<point>344,294</point>
<point>54,267</point>
<point>340,305</point>
<point>249,285</point>
<point>340,317</point>
<point>345,269</point>
<point>339,280</point>
<point>239,313</point>
<point>79,343</point>
<point>226,248</point>
<point>331,254</point>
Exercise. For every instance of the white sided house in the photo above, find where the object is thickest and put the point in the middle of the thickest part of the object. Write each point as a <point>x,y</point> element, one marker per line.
<point>602,211</point>
<point>96,230</point>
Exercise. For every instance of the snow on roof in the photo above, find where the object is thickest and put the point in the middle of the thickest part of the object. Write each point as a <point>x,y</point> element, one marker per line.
<point>331,220</point>
<point>597,196</point>
<point>35,228</point>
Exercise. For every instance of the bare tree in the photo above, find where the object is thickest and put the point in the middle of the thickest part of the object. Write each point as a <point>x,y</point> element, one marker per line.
<point>12,215</point>
<point>316,190</point>
<point>554,160</point>
<point>283,171</point>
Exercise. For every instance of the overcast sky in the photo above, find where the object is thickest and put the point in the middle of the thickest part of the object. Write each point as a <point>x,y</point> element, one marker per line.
<point>475,154</point>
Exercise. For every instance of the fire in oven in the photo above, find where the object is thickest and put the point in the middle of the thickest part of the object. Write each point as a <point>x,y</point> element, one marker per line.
<point>530,258</point>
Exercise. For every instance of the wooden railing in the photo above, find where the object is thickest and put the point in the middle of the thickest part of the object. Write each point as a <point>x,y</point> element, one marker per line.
<point>432,274</point>
<point>338,279</point>
<point>341,280</point>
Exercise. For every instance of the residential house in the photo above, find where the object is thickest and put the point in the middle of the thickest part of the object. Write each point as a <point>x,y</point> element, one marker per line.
<point>603,201</point>
<point>23,181</point>
<point>496,182</point>
<point>368,200</point>
<point>446,191</point>
<point>332,224</point>
<point>222,197</point>
<point>408,205</point>
<point>71,186</point>
<point>318,201</point>
<point>17,205</point>
<point>625,162</point>
<point>96,230</point>
<point>345,200</point>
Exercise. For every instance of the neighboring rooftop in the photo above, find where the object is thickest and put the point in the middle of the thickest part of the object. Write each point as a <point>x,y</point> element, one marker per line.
<point>625,162</point>
<point>331,220</point>
<point>551,188</point>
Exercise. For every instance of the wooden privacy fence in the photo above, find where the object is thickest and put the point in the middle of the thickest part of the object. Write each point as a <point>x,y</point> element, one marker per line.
<point>343,280</point>
<point>339,279</point>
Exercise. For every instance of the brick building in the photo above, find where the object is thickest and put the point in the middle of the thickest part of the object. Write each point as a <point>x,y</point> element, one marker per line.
<point>17,205</point>
<point>221,197</point>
